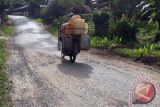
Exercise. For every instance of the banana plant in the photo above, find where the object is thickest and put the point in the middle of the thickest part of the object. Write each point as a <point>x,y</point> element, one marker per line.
<point>152,7</point>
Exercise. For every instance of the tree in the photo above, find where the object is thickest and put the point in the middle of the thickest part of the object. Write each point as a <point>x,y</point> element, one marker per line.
<point>3,5</point>
<point>101,21</point>
<point>118,7</point>
<point>34,8</point>
<point>88,2</point>
<point>2,11</point>
<point>151,7</point>
<point>66,4</point>
<point>113,4</point>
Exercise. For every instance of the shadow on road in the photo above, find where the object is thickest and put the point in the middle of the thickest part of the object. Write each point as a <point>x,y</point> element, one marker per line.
<point>78,70</point>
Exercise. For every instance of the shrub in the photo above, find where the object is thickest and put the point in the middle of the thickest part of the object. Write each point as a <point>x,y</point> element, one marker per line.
<point>105,42</point>
<point>125,29</point>
<point>59,21</point>
<point>101,21</point>
<point>81,9</point>
<point>51,13</point>
<point>87,17</point>
<point>45,15</point>
<point>157,38</point>
<point>33,9</point>
<point>146,50</point>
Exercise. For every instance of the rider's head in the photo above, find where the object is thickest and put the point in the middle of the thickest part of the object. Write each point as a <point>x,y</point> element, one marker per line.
<point>70,15</point>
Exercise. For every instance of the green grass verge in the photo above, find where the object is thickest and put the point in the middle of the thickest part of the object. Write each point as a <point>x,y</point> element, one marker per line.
<point>3,77</point>
<point>138,53</point>
<point>125,52</point>
<point>53,29</point>
<point>39,20</point>
<point>6,30</point>
<point>105,42</point>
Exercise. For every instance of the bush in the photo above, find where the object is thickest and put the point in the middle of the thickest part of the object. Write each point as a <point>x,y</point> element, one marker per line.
<point>3,79</point>
<point>53,29</point>
<point>51,13</point>
<point>89,20</point>
<point>105,42</point>
<point>34,9</point>
<point>101,21</point>
<point>87,17</point>
<point>125,29</point>
<point>157,38</point>
<point>46,16</point>
<point>81,9</point>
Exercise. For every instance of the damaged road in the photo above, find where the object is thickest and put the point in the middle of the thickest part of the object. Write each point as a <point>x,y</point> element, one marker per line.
<point>41,79</point>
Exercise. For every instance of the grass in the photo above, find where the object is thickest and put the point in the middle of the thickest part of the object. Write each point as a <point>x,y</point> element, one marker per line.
<point>151,50</point>
<point>53,29</point>
<point>105,42</point>
<point>6,30</point>
<point>3,78</point>
<point>126,52</point>
<point>39,20</point>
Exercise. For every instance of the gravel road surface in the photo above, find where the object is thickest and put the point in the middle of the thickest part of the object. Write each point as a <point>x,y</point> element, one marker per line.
<point>40,78</point>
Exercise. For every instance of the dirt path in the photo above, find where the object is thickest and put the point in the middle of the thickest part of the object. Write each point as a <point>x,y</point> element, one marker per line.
<point>41,79</point>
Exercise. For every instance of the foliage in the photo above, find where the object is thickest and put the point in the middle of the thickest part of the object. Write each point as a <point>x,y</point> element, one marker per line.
<point>53,29</point>
<point>118,7</point>
<point>89,20</point>
<point>126,29</point>
<point>46,17</point>
<point>39,20</point>
<point>50,13</point>
<point>34,9</point>
<point>145,50</point>
<point>105,42</point>
<point>149,50</point>
<point>81,9</point>
<point>65,4</point>
<point>147,32</point>
<point>3,79</point>
<point>101,21</point>
<point>6,30</point>
<point>87,17</point>
<point>152,7</point>
<point>157,38</point>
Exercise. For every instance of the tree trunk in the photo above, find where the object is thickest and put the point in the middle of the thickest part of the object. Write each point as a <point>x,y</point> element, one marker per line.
<point>157,38</point>
<point>2,20</point>
<point>2,12</point>
<point>158,24</point>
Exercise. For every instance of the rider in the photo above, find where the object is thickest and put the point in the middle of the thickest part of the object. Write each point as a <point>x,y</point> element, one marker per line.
<point>69,16</point>
<point>76,39</point>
